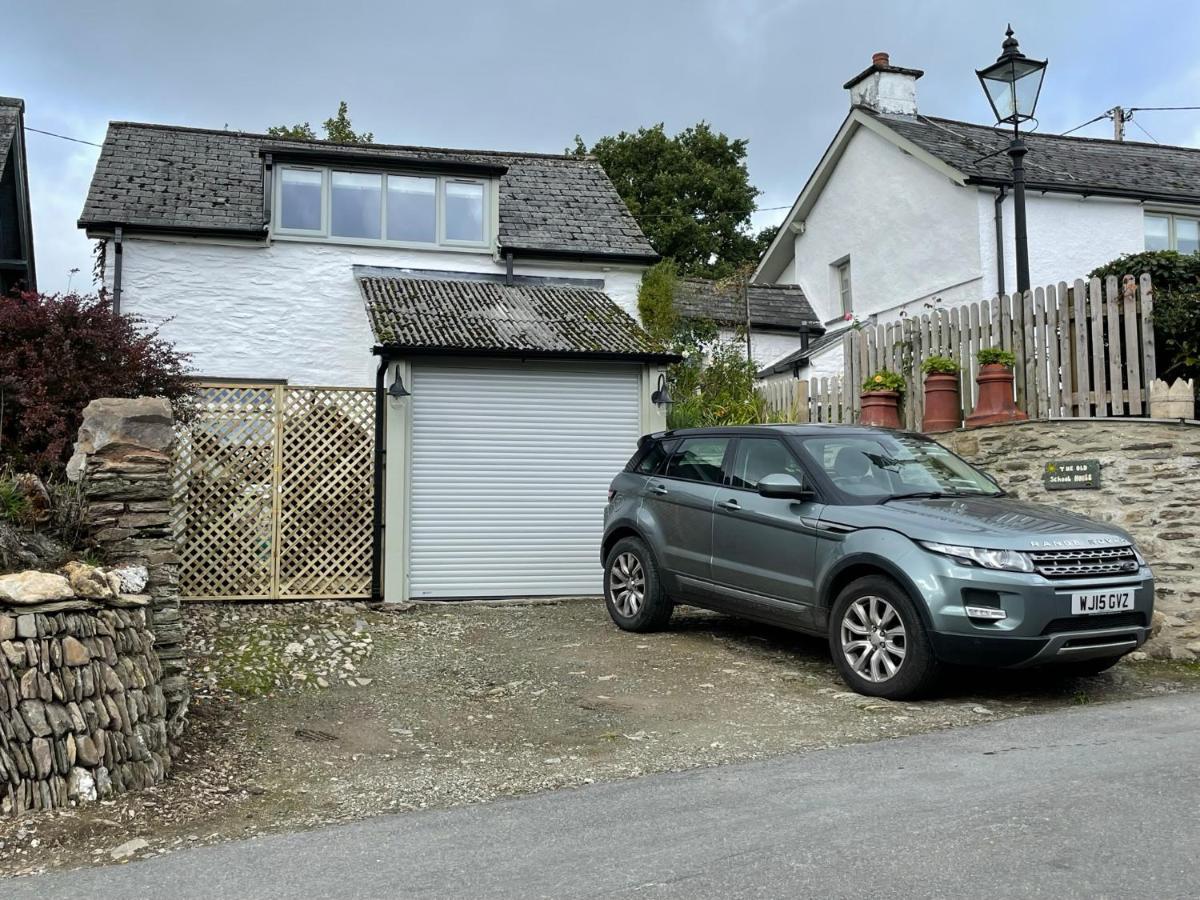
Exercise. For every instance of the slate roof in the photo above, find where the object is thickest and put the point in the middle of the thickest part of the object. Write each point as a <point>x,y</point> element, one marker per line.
<point>10,121</point>
<point>797,357</point>
<point>1072,164</point>
<point>781,306</point>
<point>485,317</point>
<point>170,177</point>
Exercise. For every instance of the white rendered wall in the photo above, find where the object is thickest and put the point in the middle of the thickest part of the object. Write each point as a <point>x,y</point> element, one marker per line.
<point>765,346</point>
<point>1068,237</point>
<point>909,231</point>
<point>290,310</point>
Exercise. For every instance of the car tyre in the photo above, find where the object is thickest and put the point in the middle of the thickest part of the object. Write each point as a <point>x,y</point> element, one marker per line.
<point>633,590</point>
<point>879,642</point>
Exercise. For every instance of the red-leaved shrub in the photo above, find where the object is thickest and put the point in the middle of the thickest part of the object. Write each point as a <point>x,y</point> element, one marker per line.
<point>60,352</point>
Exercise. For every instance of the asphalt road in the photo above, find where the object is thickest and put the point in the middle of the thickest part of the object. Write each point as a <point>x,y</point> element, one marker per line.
<point>1091,802</point>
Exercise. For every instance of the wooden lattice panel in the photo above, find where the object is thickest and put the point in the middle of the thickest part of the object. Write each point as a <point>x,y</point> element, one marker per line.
<point>326,492</point>
<point>224,510</point>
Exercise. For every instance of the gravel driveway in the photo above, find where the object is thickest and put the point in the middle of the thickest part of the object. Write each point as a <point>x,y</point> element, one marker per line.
<point>312,713</point>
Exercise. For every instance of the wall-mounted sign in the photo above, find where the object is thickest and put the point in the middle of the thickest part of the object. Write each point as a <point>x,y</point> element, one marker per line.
<point>1076,474</point>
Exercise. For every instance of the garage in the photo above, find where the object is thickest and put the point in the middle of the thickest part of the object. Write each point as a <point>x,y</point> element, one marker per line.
<point>511,463</point>
<point>509,408</point>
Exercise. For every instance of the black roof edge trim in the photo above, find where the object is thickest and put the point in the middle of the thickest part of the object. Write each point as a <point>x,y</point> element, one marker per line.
<point>872,69</point>
<point>1087,190</point>
<point>641,259</point>
<point>258,231</point>
<point>394,351</point>
<point>324,155</point>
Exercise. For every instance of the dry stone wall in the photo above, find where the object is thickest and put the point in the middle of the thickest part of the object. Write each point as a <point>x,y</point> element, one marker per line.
<point>123,462</point>
<point>1149,485</point>
<point>82,712</point>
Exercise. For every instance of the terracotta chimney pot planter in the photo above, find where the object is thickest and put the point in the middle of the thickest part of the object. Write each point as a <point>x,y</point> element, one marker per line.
<point>943,410</point>
<point>996,403</point>
<point>880,408</point>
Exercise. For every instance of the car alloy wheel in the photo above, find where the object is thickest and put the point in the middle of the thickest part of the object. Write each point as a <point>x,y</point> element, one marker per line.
<point>627,584</point>
<point>873,638</point>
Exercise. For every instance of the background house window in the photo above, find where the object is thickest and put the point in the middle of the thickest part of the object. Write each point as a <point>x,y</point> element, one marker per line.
<point>355,205</point>
<point>843,284</point>
<point>300,199</point>
<point>412,209</point>
<point>383,208</point>
<point>1170,232</point>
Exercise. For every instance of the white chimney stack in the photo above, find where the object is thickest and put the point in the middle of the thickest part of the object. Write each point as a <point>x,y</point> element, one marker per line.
<point>884,88</point>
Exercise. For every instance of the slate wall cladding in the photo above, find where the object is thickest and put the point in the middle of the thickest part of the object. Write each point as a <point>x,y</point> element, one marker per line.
<point>123,460</point>
<point>1150,476</point>
<point>82,713</point>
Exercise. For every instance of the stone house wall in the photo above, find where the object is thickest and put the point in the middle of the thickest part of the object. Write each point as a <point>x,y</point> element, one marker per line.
<point>1149,485</point>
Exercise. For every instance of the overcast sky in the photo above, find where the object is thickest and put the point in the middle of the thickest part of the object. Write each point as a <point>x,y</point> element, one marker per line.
<point>529,75</point>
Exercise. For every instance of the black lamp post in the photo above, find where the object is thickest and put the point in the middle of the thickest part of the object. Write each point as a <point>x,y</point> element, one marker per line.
<point>1012,84</point>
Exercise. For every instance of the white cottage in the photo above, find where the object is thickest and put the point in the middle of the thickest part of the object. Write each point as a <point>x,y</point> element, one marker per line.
<point>906,209</point>
<point>494,295</point>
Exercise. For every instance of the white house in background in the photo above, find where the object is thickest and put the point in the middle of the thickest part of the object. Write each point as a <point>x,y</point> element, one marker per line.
<point>906,209</point>
<point>500,287</point>
<point>779,317</point>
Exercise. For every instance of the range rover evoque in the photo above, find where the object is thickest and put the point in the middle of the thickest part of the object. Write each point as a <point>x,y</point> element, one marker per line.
<point>898,551</point>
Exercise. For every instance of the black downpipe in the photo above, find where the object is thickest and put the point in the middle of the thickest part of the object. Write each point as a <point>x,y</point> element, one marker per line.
<point>508,268</point>
<point>1000,239</point>
<point>118,252</point>
<point>380,463</point>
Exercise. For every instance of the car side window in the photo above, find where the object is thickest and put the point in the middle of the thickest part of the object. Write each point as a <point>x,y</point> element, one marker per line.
<point>756,458</point>
<point>699,459</point>
<point>653,458</point>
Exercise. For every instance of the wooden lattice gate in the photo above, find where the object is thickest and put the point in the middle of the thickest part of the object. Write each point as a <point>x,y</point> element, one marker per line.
<point>273,493</point>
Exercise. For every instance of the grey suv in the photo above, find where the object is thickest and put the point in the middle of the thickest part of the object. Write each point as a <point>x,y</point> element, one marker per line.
<point>885,542</point>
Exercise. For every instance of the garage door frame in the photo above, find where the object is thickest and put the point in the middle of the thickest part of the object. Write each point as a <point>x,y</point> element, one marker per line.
<point>398,447</point>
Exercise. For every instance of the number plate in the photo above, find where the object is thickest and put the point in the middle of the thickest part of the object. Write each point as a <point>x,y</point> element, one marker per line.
<point>1092,603</point>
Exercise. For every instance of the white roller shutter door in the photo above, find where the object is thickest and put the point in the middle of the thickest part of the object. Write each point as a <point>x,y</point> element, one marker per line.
<point>509,475</point>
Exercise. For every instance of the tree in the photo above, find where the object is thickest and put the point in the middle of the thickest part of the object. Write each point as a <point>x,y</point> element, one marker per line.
<point>690,193</point>
<point>337,129</point>
<point>1175,278</point>
<point>59,353</point>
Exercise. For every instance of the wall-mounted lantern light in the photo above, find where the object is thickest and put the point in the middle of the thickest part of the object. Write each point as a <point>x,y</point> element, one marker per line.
<point>662,395</point>
<point>397,390</point>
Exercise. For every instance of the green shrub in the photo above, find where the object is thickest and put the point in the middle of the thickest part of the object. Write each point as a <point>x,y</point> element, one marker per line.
<point>940,365</point>
<point>991,356</point>
<point>655,301</point>
<point>884,380</point>
<point>1175,278</point>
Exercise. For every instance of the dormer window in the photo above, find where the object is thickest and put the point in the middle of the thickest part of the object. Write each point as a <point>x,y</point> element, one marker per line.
<point>386,208</point>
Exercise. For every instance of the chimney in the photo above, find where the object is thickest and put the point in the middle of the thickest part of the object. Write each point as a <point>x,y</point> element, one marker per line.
<point>884,88</point>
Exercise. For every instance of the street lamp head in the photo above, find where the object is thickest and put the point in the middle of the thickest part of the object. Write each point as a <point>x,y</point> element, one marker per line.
<point>1012,83</point>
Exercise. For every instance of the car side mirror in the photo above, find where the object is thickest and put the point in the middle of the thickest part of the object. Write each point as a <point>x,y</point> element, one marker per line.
<point>784,487</point>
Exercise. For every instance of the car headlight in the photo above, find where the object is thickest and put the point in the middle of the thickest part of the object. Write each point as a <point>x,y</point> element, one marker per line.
<point>1137,554</point>
<point>1008,560</point>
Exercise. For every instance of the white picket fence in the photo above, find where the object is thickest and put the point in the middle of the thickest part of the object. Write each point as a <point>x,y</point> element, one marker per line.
<point>1083,350</point>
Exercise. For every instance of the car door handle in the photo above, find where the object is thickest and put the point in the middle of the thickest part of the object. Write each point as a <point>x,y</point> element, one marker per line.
<point>730,504</point>
<point>658,489</point>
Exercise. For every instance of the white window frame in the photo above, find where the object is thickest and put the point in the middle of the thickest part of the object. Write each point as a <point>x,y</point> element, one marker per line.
<point>1172,240</point>
<point>324,235</point>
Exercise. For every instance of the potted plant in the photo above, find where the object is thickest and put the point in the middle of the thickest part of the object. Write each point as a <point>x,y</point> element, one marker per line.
<point>881,399</point>
<point>995,380</point>
<point>943,410</point>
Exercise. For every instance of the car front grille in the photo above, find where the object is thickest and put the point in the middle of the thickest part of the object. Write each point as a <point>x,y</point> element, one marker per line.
<point>1095,623</point>
<point>1092,562</point>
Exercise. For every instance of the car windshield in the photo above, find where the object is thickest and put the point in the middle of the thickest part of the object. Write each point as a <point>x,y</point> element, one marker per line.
<point>876,468</point>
